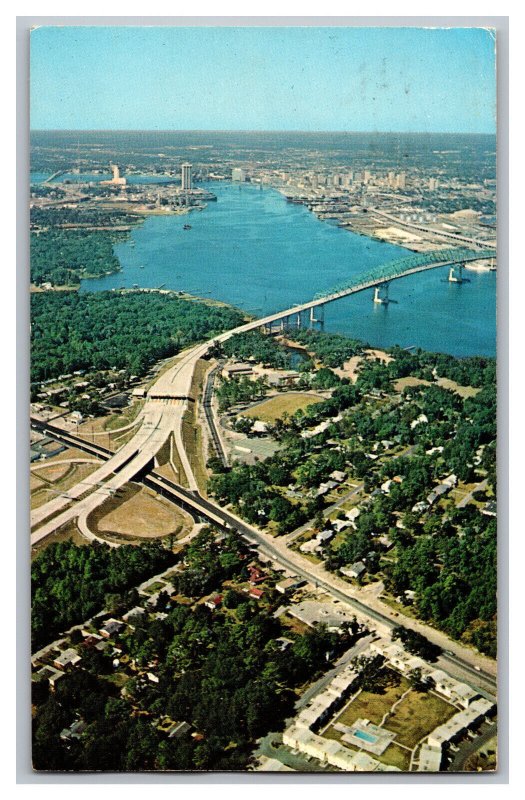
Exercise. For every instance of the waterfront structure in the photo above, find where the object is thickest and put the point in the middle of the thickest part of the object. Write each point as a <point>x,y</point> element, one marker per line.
<point>238,174</point>
<point>186,177</point>
<point>116,180</point>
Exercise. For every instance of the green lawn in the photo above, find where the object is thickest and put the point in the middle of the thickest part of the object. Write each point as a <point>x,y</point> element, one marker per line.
<point>289,402</point>
<point>417,715</point>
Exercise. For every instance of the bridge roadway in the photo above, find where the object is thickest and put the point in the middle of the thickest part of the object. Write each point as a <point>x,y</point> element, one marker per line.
<point>174,391</point>
<point>159,419</point>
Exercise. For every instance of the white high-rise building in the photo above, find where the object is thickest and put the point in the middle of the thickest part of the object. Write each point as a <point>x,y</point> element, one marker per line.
<point>401,180</point>
<point>186,176</point>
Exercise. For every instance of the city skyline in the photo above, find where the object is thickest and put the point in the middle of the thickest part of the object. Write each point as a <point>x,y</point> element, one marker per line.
<point>399,80</point>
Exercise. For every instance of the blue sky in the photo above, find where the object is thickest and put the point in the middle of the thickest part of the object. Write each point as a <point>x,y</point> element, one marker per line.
<point>217,78</point>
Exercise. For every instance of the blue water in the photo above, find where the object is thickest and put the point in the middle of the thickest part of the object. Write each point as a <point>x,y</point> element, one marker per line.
<point>367,737</point>
<point>253,249</point>
<point>74,177</point>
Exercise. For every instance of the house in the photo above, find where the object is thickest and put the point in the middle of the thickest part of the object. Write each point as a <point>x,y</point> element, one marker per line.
<point>214,602</point>
<point>439,491</point>
<point>74,731</point>
<point>283,643</point>
<point>418,421</point>
<point>323,537</point>
<point>451,480</point>
<point>338,475</point>
<point>354,571</point>
<point>257,594</point>
<point>385,541</point>
<point>137,611</point>
<point>353,514</point>
<point>309,547</point>
<point>256,575</point>
<point>69,658</point>
<point>179,729</point>
<point>49,674</point>
<point>259,426</point>
<point>111,628</point>
<point>341,524</point>
<point>489,509</point>
<point>419,507</point>
<point>288,585</point>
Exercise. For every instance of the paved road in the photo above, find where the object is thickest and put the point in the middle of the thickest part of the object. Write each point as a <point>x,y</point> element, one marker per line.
<point>456,659</point>
<point>468,497</point>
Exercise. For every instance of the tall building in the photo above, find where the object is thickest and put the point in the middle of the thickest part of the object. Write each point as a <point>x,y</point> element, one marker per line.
<point>186,176</point>
<point>433,184</point>
<point>366,176</point>
<point>116,180</point>
<point>401,180</point>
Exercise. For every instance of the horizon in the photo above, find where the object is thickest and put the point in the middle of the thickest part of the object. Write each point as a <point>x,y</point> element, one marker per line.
<point>263,130</point>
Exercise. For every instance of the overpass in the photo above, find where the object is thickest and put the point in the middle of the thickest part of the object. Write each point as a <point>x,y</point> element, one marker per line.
<point>167,400</point>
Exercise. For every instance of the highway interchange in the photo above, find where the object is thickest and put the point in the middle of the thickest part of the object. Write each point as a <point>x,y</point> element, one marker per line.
<point>162,415</point>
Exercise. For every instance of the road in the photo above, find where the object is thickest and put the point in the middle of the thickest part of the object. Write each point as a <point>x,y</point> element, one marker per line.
<point>456,659</point>
<point>163,412</point>
<point>210,416</point>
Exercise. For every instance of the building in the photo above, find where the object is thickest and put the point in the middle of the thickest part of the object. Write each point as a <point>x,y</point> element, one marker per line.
<point>68,658</point>
<point>238,174</point>
<point>429,758</point>
<point>116,180</point>
<point>288,585</point>
<point>186,177</point>
<point>354,571</point>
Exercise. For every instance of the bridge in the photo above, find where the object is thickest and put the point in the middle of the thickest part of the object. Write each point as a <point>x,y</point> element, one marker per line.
<point>168,399</point>
<point>379,278</point>
<point>162,416</point>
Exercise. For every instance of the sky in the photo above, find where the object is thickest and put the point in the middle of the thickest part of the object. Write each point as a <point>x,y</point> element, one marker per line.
<point>253,78</point>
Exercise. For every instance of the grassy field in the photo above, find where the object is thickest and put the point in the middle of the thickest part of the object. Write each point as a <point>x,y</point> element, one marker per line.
<point>192,434</point>
<point>417,715</point>
<point>139,514</point>
<point>371,706</point>
<point>288,402</point>
<point>57,479</point>
<point>463,391</point>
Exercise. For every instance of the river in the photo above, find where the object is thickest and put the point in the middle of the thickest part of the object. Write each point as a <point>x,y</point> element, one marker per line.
<point>256,251</point>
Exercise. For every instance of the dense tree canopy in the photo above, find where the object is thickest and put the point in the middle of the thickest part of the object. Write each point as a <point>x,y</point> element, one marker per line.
<point>131,331</point>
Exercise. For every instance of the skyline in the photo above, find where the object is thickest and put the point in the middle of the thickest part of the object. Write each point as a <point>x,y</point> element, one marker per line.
<point>384,80</point>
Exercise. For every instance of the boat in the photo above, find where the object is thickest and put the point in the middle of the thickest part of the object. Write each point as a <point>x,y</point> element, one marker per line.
<point>186,227</point>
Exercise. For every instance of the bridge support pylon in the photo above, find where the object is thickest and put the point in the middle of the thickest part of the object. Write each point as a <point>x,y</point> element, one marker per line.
<point>319,319</point>
<point>381,294</point>
<point>456,278</point>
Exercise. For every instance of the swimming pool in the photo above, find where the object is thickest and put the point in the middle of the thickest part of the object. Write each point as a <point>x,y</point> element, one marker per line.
<point>367,737</point>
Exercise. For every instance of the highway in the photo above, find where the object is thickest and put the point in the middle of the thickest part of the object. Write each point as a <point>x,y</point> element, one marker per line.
<point>455,658</point>
<point>210,419</point>
<point>166,402</point>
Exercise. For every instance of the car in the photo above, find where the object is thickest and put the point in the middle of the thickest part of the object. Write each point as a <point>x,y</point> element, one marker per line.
<point>478,669</point>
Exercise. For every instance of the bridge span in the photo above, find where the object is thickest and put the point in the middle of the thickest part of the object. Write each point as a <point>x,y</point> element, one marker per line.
<point>168,399</point>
